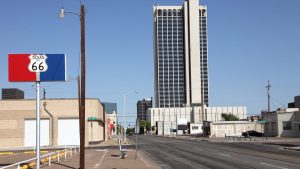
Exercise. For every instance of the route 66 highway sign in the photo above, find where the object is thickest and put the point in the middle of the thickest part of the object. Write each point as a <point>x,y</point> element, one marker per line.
<point>38,63</point>
<point>37,67</point>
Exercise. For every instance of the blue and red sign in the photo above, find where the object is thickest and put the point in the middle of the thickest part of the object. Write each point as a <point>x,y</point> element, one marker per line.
<point>36,67</point>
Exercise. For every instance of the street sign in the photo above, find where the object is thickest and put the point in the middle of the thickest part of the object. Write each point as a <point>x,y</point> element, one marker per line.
<point>38,63</point>
<point>262,121</point>
<point>36,67</point>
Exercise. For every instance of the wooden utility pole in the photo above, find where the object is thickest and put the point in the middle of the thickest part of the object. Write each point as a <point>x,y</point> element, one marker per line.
<point>82,95</point>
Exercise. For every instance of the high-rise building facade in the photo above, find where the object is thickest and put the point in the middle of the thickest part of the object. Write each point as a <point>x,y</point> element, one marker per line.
<point>142,107</point>
<point>110,108</point>
<point>180,49</point>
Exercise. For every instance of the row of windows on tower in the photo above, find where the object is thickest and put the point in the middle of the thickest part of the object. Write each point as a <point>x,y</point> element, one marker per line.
<point>169,27</point>
<point>170,97</point>
<point>169,12</point>
<point>174,80</point>
<point>176,83</point>
<point>175,24</point>
<point>174,21</point>
<point>177,12</point>
<point>168,41</point>
<point>175,49</point>
<point>170,32</point>
<point>171,87</point>
<point>177,20</point>
<point>170,45</point>
<point>169,24</point>
<point>176,41</point>
<point>170,35</point>
<point>168,55</point>
<point>165,57</point>
<point>172,59</point>
<point>171,91</point>
<point>167,64</point>
<point>170,81</point>
<point>172,64</point>
<point>171,70</point>
<point>172,103</point>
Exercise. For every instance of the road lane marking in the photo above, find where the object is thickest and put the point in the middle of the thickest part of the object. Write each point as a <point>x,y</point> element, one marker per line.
<point>224,154</point>
<point>199,149</point>
<point>143,160</point>
<point>101,150</point>
<point>101,160</point>
<point>273,166</point>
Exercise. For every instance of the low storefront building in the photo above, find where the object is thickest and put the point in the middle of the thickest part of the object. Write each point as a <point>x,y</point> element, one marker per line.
<point>283,123</point>
<point>59,122</point>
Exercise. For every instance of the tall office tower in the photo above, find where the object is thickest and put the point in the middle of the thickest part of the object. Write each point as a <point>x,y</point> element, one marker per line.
<point>180,55</point>
<point>142,107</point>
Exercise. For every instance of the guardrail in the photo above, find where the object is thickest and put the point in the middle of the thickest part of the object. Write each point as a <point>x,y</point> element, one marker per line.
<point>50,157</point>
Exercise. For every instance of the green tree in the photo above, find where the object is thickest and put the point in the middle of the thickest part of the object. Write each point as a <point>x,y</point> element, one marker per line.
<point>128,130</point>
<point>120,129</point>
<point>146,124</point>
<point>229,117</point>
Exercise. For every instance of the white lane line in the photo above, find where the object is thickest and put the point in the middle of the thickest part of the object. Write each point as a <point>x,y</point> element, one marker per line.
<point>224,154</point>
<point>273,166</point>
<point>143,160</point>
<point>101,150</point>
<point>101,160</point>
<point>199,149</point>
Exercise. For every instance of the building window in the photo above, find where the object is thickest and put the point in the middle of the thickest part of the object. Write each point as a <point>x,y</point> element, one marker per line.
<point>287,125</point>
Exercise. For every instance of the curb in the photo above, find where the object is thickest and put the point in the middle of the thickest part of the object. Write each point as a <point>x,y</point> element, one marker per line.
<point>292,148</point>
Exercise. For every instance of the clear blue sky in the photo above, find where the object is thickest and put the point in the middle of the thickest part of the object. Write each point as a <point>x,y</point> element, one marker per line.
<point>250,42</point>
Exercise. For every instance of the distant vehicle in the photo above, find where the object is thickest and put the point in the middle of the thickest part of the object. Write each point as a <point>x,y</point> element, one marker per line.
<point>252,133</point>
<point>130,134</point>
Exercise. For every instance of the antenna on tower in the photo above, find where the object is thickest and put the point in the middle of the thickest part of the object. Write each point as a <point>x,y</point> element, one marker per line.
<point>268,91</point>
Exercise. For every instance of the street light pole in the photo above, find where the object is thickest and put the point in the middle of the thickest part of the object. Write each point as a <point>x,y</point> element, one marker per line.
<point>124,106</point>
<point>82,81</point>
<point>124,132</point>
<point>82,96</point>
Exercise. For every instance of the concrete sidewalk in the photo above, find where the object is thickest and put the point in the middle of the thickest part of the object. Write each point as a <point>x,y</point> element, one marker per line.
<point>100,158</point>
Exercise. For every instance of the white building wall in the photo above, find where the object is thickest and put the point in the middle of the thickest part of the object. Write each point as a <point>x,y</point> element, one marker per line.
<point>231,128</point>
<point>194,114</point>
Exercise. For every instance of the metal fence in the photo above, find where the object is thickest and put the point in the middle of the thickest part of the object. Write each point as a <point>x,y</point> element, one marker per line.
<point>47,158</point>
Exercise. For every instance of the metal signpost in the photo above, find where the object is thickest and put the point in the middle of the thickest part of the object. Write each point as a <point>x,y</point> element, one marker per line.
<point>37,68</point>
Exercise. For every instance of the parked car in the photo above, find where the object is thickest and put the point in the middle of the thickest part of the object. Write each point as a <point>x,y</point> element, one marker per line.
<point>130,134</point>
<point>252,133</point>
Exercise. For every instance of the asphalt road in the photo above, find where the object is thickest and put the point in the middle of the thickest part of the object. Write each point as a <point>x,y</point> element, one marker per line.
<point>178,154</point>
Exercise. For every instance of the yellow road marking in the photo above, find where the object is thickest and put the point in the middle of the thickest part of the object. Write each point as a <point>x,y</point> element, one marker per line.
<point>6,153</point>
